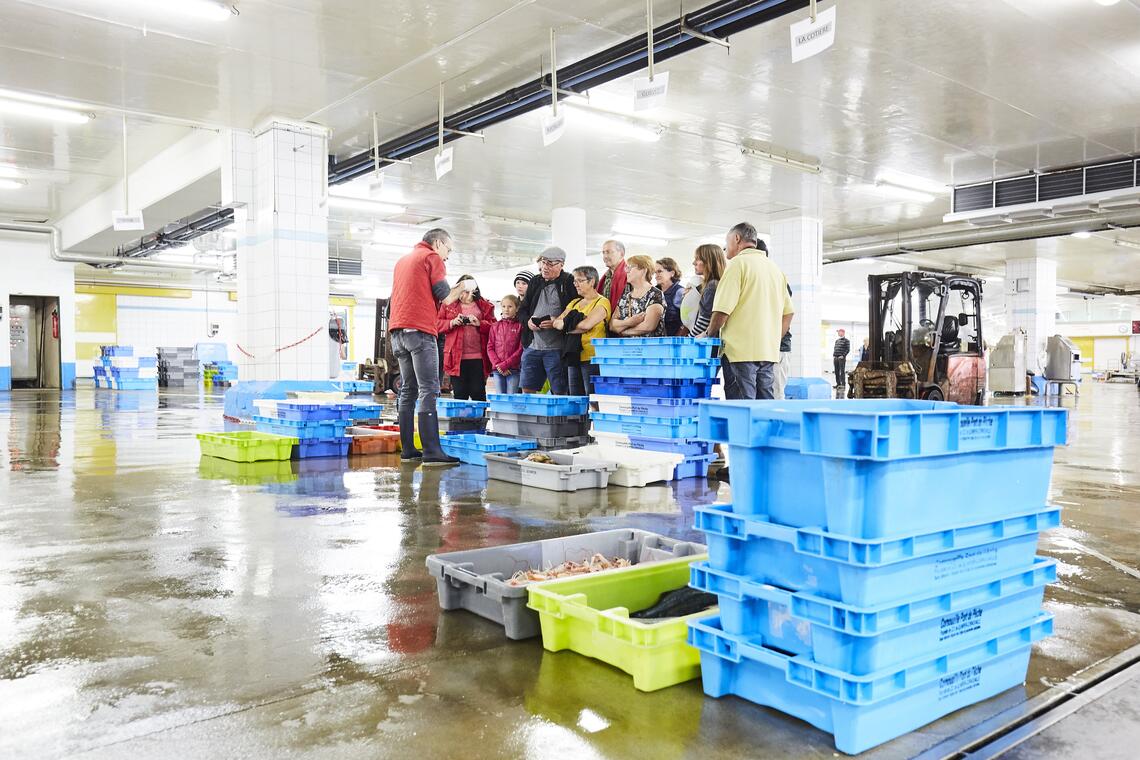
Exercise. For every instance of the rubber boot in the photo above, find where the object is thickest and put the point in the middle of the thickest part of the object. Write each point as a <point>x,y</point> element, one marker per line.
<point>429,439</point>
<point>408,450</point>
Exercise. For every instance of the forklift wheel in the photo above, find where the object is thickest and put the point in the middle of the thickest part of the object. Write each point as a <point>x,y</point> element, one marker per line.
<point>934,394</point>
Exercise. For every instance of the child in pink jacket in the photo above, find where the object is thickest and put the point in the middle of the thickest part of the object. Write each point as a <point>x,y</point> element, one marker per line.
<point>504,347</point>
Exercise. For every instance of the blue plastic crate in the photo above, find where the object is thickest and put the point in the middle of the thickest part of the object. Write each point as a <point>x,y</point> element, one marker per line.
<point>862,712</point>
<point>321,447</point>
<point>681,408</point>
<point>131,373</point>
<point>694,467</point>
<point>450,408</point>
<point>100,371</point>
<point>304,430</point>
<point>808,388</point>
<point>654,387</point>
<point>675,369</point>
<point>686,447</point>
<point>844,466</point>
<point>365,411</point>
<point>654,427</point>
<point>300,411</point>
<point>539,405</point>
<point>869,572</point>
<point>862,640</point>
<point>117,350</point>
<point>656,348</point>
<point>135,384</point>
<point>470,448</point>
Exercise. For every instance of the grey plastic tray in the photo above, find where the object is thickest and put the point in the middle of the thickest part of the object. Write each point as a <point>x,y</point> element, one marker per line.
<point>532,426</point>
<point>476,580</point>
<point>568,471</point>
<point>462,424</point>
<point>553,444</point>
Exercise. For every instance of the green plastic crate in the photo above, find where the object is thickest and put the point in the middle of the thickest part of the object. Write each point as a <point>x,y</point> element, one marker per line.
<point>590,615</point>
<point>246,473</point>
<point>246,446</point>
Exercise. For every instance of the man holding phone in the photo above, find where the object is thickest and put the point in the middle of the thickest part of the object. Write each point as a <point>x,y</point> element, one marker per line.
<point>547,297</point>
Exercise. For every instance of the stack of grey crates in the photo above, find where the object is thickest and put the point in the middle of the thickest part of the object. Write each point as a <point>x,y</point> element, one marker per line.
<point>178,367</point>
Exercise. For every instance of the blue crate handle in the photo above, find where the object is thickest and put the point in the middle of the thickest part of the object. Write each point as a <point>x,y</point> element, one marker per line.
<point>866,621</point>
<point>705,634</point>
<point>873,552</point>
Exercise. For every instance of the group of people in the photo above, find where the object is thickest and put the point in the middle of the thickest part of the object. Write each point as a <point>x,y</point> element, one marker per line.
<point>544,335</point>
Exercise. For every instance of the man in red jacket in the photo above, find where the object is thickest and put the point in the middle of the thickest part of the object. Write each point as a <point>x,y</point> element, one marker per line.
<point>613,281</point>
<point>419,287</point>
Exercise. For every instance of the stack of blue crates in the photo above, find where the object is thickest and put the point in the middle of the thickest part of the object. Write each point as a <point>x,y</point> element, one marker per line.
<point>552,422</point>
<point>223,372</point>
<point>462,416</point>
<point>320,428</point>
<point>647,395</point>
<point>877,568</point>
<point>119,369</point>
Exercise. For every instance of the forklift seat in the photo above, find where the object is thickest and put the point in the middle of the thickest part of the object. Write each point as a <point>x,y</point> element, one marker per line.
<point>950,342</point>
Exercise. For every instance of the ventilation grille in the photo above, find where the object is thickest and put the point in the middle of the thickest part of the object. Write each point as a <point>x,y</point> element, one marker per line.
<point>1052,186</point>
<point>345,267</point>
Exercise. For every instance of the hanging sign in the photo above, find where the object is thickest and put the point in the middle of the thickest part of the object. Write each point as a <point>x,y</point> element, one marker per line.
<point>552,126</point>
<point>650,93</point>
<point>810,38</point>
<point>124,221</point>
<point>443,162</point>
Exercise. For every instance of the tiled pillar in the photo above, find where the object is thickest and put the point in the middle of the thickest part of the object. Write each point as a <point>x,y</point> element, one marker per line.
<point>796,245</point>
<point>1031,304</point>
<point>280,172</point>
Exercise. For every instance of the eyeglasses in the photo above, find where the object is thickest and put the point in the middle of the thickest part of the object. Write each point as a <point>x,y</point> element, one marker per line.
<point>548,262</point>
<point>580,280</point>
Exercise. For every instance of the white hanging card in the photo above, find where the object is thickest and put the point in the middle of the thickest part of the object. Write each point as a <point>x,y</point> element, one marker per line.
<point>809,38</point>
<point>650,93</point>
<point>123,221</point>
<point>552,126</point>
<point>443,162</point>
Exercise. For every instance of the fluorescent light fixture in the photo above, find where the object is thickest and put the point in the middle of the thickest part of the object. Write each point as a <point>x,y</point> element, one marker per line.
<point>1082,234</point>
<point>1062,290</point>
<point>1107,2</point>
<point>630,237</point>
<point>364,204</point>
<point>616,126</point>
<point>782,161</point>
<point>910,182</point>
<point>41,111</point>
<point>863,262</point>
<point>10,172</point>
<point>12,184</point>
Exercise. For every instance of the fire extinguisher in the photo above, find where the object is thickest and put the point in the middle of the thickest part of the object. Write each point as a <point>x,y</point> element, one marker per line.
<point>55,324</point>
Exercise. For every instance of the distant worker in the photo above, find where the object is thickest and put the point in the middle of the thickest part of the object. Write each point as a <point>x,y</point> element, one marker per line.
<point>866,350</point>
<point>751,312</point>
<point>419,288</point>
<point>839,357</point>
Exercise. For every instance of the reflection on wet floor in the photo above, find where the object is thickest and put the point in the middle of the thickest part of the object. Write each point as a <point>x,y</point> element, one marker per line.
<point>154,603</point>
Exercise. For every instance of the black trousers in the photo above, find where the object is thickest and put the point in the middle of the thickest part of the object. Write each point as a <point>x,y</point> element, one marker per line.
<point>840,370</point>
<point>470,384</point>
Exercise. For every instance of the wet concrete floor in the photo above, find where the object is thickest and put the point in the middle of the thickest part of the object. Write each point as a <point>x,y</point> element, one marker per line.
<point>155,606</point>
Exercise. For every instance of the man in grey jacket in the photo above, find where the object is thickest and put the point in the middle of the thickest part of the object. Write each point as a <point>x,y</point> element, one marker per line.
<point>839,357</point>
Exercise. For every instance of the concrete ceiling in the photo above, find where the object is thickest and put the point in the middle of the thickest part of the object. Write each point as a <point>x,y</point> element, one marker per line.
<point>950,92</point>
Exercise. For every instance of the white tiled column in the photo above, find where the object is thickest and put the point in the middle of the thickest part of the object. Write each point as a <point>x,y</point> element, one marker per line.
<point>796,245</point>
<point>283,282</point>
<point>1031,304</point>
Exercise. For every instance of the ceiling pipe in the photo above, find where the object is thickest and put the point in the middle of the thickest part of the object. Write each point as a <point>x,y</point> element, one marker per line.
<point>924,241</point>
<point>57,254</point>
<point>715,21</point>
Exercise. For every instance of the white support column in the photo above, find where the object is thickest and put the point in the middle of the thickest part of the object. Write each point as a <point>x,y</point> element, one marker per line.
<point>796,245</point>
<point>1031,304</point>
<point>283,285</point>
<point>568,232</point>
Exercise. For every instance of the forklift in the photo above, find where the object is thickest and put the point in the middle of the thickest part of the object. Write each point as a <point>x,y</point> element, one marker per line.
<point>925,339</point>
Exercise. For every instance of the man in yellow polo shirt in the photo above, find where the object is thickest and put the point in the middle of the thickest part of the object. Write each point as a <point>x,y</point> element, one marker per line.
<point>751,312</point>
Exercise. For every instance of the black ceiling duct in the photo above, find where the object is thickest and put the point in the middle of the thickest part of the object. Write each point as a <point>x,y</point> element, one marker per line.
<point>718,20</point>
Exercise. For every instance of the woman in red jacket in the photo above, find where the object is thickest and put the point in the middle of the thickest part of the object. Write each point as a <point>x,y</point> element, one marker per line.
<point>466,323</point>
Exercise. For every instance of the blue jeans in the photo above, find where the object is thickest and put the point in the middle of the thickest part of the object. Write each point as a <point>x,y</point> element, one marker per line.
<point>540,366</point>
<point>749,381</point>
<point>581,379</point>
<point>507,383</point>
<point>418,356</point>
